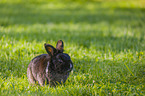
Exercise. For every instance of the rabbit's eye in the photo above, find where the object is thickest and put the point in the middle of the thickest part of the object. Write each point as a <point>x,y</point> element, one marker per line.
<point>60,61</point>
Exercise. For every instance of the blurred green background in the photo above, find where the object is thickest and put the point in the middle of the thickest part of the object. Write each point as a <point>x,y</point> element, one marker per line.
<point>105,39</point>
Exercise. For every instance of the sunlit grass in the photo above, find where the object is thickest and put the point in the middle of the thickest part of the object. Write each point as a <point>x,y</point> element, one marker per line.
<point>105,39</point>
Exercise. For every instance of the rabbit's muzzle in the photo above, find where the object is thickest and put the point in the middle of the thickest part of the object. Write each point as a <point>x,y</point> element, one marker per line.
<point>64,68</point>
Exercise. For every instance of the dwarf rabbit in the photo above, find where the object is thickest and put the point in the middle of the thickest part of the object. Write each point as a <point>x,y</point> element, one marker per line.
<point>52,68</point>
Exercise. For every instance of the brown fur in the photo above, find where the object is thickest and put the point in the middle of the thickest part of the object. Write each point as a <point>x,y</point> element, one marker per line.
<point>47,68</point>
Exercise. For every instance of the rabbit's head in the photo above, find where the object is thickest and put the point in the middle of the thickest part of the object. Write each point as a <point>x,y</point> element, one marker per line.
<point>59,61</point>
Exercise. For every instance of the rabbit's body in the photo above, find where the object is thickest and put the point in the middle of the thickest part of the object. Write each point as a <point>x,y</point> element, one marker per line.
<point>49,69</point>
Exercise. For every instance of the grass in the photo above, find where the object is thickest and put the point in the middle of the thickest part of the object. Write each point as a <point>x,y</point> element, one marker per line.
<point>105,39</point>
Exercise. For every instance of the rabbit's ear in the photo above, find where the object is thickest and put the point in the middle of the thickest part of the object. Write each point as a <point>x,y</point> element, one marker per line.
<point>50,49</point>
<point>59,45</point>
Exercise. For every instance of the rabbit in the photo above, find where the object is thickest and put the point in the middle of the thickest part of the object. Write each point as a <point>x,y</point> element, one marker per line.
<point>52,68</point>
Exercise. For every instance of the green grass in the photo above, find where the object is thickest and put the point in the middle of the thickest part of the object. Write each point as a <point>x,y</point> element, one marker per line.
<point>105,39</point>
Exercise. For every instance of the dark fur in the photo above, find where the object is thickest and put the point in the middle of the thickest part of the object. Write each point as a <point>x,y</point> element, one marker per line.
<point>52,68</point>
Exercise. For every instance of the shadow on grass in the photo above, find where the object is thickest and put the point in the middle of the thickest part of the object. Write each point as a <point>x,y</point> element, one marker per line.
<point>25,14</point>
<point>85,40</point>
<point>12,14</point>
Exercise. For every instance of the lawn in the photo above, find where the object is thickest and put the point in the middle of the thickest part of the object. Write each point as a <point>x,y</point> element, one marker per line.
<point>105,39</point>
